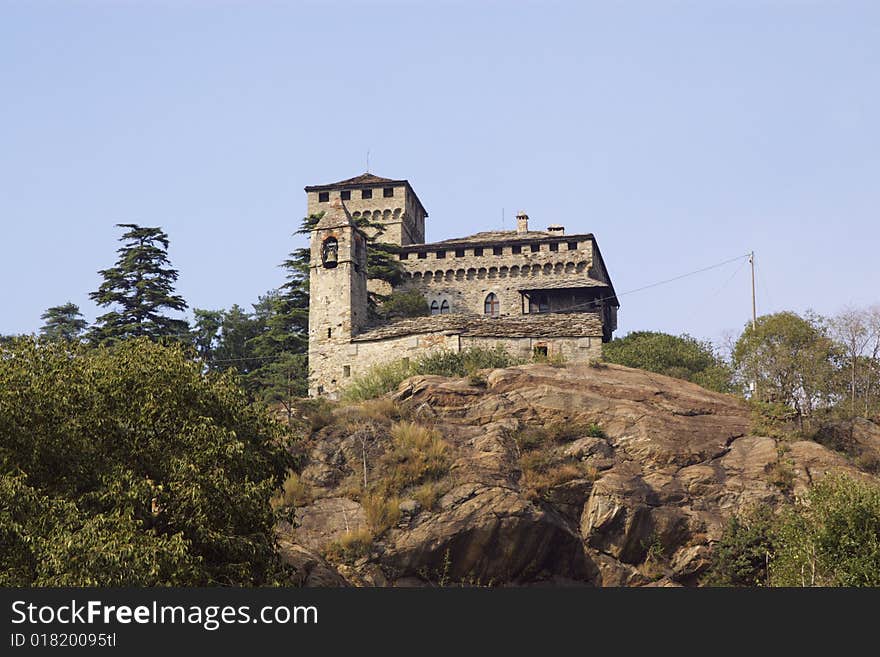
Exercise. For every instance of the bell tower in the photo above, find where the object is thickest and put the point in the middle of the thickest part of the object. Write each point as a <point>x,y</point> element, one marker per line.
<point>337,297</point>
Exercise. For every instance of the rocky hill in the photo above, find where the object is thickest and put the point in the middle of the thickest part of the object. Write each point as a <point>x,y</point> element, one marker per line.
<point>593,475</point>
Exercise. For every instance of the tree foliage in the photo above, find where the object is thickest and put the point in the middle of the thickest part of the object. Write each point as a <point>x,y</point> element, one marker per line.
<point>140,288</point>
<point>682,357</point>
<point>63,322</point>
<point>789,359</point>
<point>130,466</point>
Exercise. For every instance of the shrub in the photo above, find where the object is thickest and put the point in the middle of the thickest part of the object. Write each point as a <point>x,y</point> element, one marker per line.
<point>741,557</point>
<point>428,495</point>
<point>294,492</point>
<point>832,538</point>
<point>682,357</point>
<point>403,303</point>
<point>382,513</point>
<point>350,547</point>
<point>417,455</point>
<point>384,378</point>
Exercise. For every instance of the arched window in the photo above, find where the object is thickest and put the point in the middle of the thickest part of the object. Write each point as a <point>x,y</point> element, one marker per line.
<point>444,307</point>
<point>490,306</point>
<point>435,309</point>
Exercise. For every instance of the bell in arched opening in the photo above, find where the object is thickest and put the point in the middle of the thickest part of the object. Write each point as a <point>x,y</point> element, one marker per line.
<point>330,252</point>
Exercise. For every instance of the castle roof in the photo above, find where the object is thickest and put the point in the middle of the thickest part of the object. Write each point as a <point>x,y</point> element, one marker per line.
<point>538,325</point>
<point>366,179</point>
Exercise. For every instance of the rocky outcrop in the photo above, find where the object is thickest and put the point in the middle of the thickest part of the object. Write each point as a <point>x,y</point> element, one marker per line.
<point>639,502</point>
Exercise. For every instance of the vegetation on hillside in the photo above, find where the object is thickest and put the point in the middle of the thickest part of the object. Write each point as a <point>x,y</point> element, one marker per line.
<point>130,466</point>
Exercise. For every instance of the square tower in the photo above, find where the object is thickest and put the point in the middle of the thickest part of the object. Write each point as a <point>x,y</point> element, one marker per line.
<point>391,203</point>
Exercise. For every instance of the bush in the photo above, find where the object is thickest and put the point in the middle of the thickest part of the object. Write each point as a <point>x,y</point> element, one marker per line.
<point>382,513</point>
<point>294,492</point>
<point>384,378</point>
<point>403,303</point>
<point>832,538</point>
<point>682,357</point>
<point>741,557</point>
<point>350,547</point>
<point>418,455</point>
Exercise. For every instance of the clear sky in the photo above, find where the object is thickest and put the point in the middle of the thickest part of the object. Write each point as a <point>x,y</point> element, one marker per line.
<point>681,134</point>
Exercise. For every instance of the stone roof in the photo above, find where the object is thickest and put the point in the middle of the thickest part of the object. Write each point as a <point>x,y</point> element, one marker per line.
<point>490,237</point>
<point>362,180</point>
<point>543,325</point>
<point>559,282</point>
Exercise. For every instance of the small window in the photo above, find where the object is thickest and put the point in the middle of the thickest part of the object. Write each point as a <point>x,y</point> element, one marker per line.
<point>490,305</point>
<point>435,308</point>
<point>516,249</point>
<point>497,250</point>
<point>423,255</point>
<point>572,246</point>
<point>441,255</point>
<point>541,352</point>
<point>444,307</point>
<point>323,197</point>
<point>478,251</point>
<point>459,253</point>
<point>404,256</point>
<point>388,192</point>
<point>366,193</point>
<point>329,332</point>
<point>346,371</point>
<point>346,195</point>
<point>554,246</point>
<point>535,248</point>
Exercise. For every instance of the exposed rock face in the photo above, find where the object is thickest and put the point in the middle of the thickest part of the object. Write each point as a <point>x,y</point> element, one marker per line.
<point>641,505</point>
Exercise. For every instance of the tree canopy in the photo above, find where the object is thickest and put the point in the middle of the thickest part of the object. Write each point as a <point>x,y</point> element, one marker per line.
<point>140,288</point>
<point>63,322</point>
<point>129,466</point>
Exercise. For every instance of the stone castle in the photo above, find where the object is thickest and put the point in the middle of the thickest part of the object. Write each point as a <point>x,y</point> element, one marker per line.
<point>534,292</point>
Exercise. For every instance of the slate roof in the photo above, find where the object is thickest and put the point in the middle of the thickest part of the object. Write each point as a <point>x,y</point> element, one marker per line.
<point>363,180</point>
<point>561,282</point>
<point>543,325</point>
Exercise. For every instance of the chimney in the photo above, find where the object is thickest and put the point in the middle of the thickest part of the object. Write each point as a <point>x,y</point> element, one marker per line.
<point>522,222</point>
<point>556,229</point>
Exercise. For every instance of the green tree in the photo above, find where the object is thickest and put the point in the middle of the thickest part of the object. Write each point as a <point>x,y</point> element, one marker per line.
<point>141,288</point>
<point>403,303</point>
<point>63,322</point>
<point>789,359</point>
<point>832,538</point>
<point>682,357</point>
<point>132,466</point>
<point>742,556</point>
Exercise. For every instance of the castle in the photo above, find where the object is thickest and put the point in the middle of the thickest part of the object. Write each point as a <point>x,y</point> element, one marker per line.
<point>535,292</point>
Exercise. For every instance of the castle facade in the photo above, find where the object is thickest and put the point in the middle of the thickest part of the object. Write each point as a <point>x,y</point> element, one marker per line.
<point>534,292</point>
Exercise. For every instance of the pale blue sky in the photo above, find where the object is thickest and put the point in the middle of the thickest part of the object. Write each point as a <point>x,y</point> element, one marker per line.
<point>680,133</point>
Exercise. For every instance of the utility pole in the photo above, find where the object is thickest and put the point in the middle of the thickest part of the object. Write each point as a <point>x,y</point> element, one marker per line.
<point>754,304</point>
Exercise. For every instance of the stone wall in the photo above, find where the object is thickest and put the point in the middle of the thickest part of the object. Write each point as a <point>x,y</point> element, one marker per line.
<point>342,365</point>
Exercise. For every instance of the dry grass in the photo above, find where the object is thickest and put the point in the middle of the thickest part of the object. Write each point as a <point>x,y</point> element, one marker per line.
<point>350,547</point>
<point>418,454</point>
<point>530,438</point>
<point>382,513</point>
<point>428,495</point>
<point>540,473</point>
<point>295,492</point>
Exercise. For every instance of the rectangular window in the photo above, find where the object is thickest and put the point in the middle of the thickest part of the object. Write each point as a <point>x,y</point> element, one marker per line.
<point>572,246</point>
<point>346,371</point>
<point>516,249</point>
<point>323,197</point>
<point>423,255</point>
<point>541,352</point>
<point>478,252</point>
<point>535,248</point>
<point>459,253</point>
<point>497,250</point>
<point>554,247</point>
<point>441,255</point>
<point>366,193</point>
<point>388,192</point>
<point>345,196</point>
<point>404,255</point>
